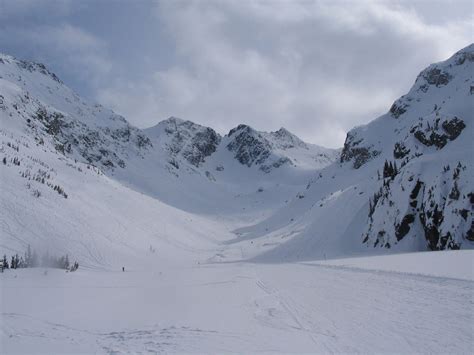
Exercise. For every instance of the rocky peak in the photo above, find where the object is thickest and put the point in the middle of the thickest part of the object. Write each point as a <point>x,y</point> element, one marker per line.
<point>248,145</point>
<point>240,128</point>
<point>434,112</point>
<point>185,139</point>
<point>435,76</point>
<point>272,150</point>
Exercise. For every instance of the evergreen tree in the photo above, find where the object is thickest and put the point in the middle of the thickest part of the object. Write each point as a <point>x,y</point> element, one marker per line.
<point>5,262</point>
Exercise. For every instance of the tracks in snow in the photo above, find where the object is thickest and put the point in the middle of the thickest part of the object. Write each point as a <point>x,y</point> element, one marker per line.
<point>274,307</point>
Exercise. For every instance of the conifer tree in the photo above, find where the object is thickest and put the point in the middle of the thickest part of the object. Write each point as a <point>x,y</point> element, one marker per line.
<point>5,262</point>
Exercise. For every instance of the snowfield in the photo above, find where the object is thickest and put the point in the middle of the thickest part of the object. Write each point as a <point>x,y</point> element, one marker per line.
<point>241,308</point>
<point>252,242</point>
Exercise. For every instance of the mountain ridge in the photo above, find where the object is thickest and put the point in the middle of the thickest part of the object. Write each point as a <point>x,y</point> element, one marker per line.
<point>400,183</point>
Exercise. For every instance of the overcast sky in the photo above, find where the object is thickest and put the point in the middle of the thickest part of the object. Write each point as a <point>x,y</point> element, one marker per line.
<point>317,68</point>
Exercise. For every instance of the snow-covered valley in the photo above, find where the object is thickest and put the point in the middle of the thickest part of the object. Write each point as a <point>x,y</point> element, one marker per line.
<point>245,242</point>
<point>239,307</point>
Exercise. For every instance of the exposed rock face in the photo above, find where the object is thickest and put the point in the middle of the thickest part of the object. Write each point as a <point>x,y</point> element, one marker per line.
<point>400,150</point>
<point>272,150</point>
<point>249,146</point>
<point>102,145</point>
<point>398,108</point>
<point>353,150</point>
<point>436,76</point>
<point>203,144</point>
<point>186,139</point>
<point>443,215</point>
<point>439,132</point>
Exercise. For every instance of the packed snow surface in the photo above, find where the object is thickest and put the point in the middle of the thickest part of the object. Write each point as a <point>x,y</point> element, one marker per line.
<point>240,307</point>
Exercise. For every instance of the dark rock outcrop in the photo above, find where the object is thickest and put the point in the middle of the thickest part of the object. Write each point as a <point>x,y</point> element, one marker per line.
<point>248,146</point>
<point>359,154</point>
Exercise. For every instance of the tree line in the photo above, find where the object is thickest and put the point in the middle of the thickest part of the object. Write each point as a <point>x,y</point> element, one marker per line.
<point>32,259</point>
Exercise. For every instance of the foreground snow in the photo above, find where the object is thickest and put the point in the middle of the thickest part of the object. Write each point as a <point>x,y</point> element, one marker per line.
<point>242,307</point>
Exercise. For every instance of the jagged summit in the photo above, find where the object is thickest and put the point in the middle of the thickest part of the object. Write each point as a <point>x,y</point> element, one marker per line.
<point>29,66</point>
<point>196,144</point>
<point>271,150</point>
<point>185,139</point>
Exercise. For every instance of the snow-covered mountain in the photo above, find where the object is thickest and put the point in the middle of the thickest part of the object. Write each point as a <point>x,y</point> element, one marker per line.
<point>60,150</point>
<point>188,142</point>
<point>404,182</point>
<point>49,110</point>
<point>426,189</point>
<point>85,130</point>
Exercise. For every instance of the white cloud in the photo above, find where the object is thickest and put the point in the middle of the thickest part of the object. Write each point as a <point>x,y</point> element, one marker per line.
<point>318,68</point>
<point>42,31</point>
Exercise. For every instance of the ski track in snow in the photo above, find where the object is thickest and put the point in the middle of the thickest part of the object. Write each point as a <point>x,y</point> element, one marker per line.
<point>153,339</point>
<point>245,308</point>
